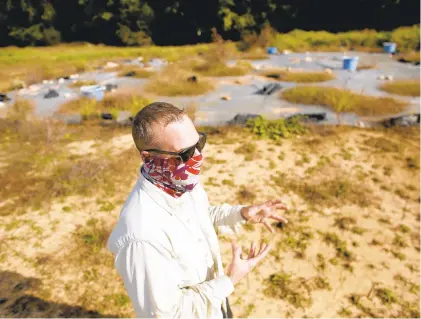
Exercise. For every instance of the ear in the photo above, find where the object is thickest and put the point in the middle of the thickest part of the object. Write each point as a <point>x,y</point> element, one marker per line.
<point>144,155</point>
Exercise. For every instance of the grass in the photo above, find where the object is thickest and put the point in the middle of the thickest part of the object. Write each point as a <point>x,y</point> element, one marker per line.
<point>18,64</point>
<point>297,291</point>
<point>298,77</point>
<point>328,191</point>
<point>249,150</point>
<point>244,195</point>
<point>402,87</point>
<point>408,57</point>
<point>173,81</point>
<point>340,100</point>
<point>112,103</point>
<point>342,251</point>
<point>78,84</point>
<point>135,72</point>
<point>218,68</point>
<point>295,239</point>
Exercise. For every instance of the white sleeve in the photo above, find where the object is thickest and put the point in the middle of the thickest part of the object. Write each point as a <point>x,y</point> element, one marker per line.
<point>226,215</point>
<point>152,278</point>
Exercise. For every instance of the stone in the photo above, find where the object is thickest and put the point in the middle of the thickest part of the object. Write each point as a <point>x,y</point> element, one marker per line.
<point>286,52</point>
<point>2,105</point>
<point>124,118</point>
<point>67,95</point>
<point>74,76</point>
<point>61,81</point>
<point>308,117</point>
<point>192,79</point>
<point>51,94</point>
<point>110,65</point>
<point>226,97</point>
<point>327,71</point>
<point>4,97</point>
<point>106,116</point>
<point>404,120</point>
<point>389,77</point>
<point>269,89</point>
<point>140,59</point>
<point>381,77</point>
<point>241,119</point>
<point>130,73</point>
<point>110,87</point>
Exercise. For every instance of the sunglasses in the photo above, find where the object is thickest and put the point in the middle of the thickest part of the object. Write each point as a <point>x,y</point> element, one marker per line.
<point>187,153</point>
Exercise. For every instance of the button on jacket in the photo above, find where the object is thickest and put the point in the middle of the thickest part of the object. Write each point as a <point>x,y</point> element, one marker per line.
<point>167,252</point>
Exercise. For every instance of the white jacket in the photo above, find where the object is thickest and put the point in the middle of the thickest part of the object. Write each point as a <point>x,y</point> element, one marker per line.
<point>167,252</point>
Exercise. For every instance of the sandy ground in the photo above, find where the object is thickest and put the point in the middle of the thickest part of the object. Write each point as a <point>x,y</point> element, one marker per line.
<point>47,271</point>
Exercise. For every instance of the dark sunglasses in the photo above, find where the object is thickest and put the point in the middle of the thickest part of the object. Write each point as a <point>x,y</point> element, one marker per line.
<point>188,152</point>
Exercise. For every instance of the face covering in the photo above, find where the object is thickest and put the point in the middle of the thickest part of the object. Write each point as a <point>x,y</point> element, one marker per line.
<point>173,178</point>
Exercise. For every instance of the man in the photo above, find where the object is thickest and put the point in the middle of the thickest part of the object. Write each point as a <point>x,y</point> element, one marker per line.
<point>165,246</point>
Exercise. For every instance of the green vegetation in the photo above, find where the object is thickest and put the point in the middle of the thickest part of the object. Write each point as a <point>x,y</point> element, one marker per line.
<point>219,68</point>
<point>135,72</point>
<point>244,195</point>
<point>296,239</point>
<point>402,87</point>
<point>343,100</point>
<point>327,192</point>
<point>299,77</point>
<point>275,129</point>
<point>249,150</point>
<point>113,103</point>
<point>386,296</point>
<point>173,81</point>
<point>295,291</point>
<point>342,251</point>
<point>78,84</point>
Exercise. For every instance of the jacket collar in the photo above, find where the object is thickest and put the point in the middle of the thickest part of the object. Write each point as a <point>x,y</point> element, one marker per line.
<point>166,201</point>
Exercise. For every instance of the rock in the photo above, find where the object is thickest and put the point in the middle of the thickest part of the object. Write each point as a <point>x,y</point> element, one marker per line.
<point>124,118</point>
<point>295,60</point>
<point>269,89</point>
<point>417,63</point>
<point>327,71</point>
<point>61,81</point>
<point>45,82</point>
<point>4,97</point>
<point>273,75</point>
<point>66,77</point>
<point>257,67</point>
<point>2,105</point>
<point>51,94</point>
<point>308,59</point>
<point>192,79</point>
<point>110,87</point>
<point>130,73</point>
<point>308,117</point>
<point>110,65</point>
<point>67,95</point>
<point>226,97</point>
<point>106,116</point>
<point>404,120</point>
<point>389,77</point>
<point>140,59</point>
<point>381,77</point>
<point>241,119</point>
<point>286,52</point>
<point>74,76</point>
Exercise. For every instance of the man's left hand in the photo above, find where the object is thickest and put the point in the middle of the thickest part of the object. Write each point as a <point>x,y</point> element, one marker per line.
<point>262,213</point>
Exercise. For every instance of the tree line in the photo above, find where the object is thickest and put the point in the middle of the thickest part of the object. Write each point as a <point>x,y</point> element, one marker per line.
<point>167,22</point>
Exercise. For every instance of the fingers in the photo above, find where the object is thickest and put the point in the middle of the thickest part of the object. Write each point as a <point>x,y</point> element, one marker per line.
<point>268,226</point>
<point>279,218</point>
<point>264,249</point>
<point>236,250</point>
<point>252,251</point>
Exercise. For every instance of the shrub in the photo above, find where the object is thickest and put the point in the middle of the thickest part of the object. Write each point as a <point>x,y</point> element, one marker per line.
<point>299,77</point>
<point>407,38</point>
<point>275,129</point>
<point>402,87</point>
<point>340,100</point>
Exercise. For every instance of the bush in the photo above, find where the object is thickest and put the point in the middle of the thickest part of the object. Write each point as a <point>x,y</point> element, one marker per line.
<point>275,129</point>
<point>299,77</point>
<point>407,38</point>
<point>343,100</point>
<point>402,87</point>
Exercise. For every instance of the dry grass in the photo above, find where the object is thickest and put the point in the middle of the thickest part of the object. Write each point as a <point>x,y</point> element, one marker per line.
<point>78,84</point>
<point>173,81</point>
<point>402,87</point>
<point>408,57</point>
<point>136,72</point>
<point>343,100</point>
<point>298,77</point>
<point>218,68</point>
<point>58,208</point>
<point>112,103</point>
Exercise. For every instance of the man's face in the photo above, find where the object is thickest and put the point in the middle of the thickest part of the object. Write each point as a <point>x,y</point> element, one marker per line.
<point>174,137</point>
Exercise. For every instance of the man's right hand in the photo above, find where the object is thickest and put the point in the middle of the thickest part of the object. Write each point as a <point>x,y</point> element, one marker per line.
<point>239,267</point>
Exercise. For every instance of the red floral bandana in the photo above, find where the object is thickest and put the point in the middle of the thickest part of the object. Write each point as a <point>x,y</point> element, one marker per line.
<point>172,179</point>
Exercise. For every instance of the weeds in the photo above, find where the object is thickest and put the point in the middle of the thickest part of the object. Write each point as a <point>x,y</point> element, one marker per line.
<point>78,84</point>
<point>275,129</point>
<point>135,72</point>
<point>343,101</point>
<point>298,77</point>
<point>245,196</point>
<point>402,87</point>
